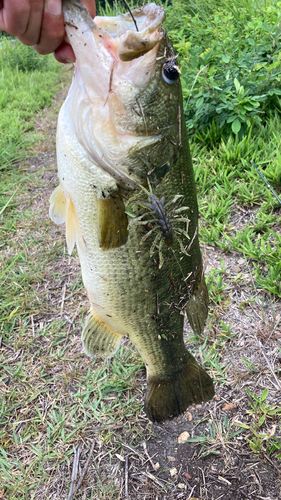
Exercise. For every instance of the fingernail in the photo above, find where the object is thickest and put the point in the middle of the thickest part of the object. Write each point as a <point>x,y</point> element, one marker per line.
<point>69,61</point>
<point>54,7</point>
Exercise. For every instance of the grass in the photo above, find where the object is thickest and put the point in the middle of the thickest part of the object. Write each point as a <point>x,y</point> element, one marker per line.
<point>76,396</point>
<point>22,96</point>
<point>228,186</point>
<point>53,398</point>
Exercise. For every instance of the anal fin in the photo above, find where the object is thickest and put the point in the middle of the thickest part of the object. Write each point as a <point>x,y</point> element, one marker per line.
<point>197,306</point>
<point>112,221</point>
<point>98,339</point>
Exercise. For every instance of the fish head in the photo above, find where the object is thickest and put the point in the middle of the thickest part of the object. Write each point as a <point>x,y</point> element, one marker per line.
<point>127,89</point>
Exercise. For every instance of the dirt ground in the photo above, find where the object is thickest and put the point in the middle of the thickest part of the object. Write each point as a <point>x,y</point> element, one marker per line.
<point>161,463</point>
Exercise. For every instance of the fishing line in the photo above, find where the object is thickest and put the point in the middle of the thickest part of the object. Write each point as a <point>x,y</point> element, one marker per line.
<point>131,14</point>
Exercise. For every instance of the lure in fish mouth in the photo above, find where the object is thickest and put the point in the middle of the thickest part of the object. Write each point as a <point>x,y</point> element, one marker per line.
<point>128,200</point>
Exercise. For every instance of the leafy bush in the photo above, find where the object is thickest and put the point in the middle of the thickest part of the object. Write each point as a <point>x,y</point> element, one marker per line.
<point>230,62</point>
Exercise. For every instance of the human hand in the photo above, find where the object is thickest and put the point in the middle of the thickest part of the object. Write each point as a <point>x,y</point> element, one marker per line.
<point>40,23</point>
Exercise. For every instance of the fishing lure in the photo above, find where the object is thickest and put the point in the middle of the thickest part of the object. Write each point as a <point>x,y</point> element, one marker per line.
<point>165,223</point>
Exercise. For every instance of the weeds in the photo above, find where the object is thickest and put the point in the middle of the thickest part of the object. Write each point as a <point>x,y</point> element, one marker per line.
<point>215,437</point>
<point>261,412</point>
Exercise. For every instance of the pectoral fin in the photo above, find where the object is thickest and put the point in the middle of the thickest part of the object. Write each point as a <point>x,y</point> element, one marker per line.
<point>112,221</point>
<point>98,339</point>
<point>57,210</point>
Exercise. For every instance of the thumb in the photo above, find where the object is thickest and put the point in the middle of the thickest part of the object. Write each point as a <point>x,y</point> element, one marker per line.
<point>90,6</point>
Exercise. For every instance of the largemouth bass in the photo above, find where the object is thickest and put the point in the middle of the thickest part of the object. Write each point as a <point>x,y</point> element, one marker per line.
<point>128,199</point>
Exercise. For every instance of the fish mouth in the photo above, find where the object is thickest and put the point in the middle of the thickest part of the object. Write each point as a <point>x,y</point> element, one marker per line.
<point>127,36</point>
<point>114,64</point>
<point>138,31</point>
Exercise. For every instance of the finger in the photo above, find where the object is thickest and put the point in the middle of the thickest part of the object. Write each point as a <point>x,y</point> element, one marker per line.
<point>52,28</point>
<point>14,16</point>
<point>64,54</point>
<point>32,32</point>
<point>90,6</point>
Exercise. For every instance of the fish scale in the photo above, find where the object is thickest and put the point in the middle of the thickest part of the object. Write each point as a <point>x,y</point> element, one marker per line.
<point>108,155</point>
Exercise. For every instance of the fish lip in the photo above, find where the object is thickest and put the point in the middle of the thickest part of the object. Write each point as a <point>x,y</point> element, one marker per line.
<point>129,44</point>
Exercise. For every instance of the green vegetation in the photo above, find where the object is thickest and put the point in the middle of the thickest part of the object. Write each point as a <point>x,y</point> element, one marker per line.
<point>230,62</point>
<point>260,411</point>
<point>52,397</point>
<point>22,95</point>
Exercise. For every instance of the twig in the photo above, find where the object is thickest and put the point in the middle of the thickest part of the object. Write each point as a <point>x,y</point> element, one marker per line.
<point>107,427</point>
<point>110,81</point>
<point>153,478</point>
<point>72,66</point>
<point>192,491</point>
<point>111,76</point>
<point>146,452</point>
<point>203,476</point>
<point>132,449</point>
<point>271,369</point>
<point>142,113</point>
<point>71,323</point>
<point>6,345</point>
<point>86,466</point>
<point>74,471</point>
<point>266,183</point>
<point>74,317</point>
<point>62,299</point>
<point>179,120</point>
<point>120,490</point>
<point>272,463</point>
<point>126,475</point>
<point>202,69</point>
<point>32,324</point>
<point>127,7</point>
<point>193,237</point>
<point>12,360</point>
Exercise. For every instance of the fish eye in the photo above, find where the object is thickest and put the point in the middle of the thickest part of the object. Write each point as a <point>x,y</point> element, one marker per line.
<point>170,72</point>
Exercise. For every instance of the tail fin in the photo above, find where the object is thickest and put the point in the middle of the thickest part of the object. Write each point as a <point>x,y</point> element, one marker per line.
<point>166,399</point>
